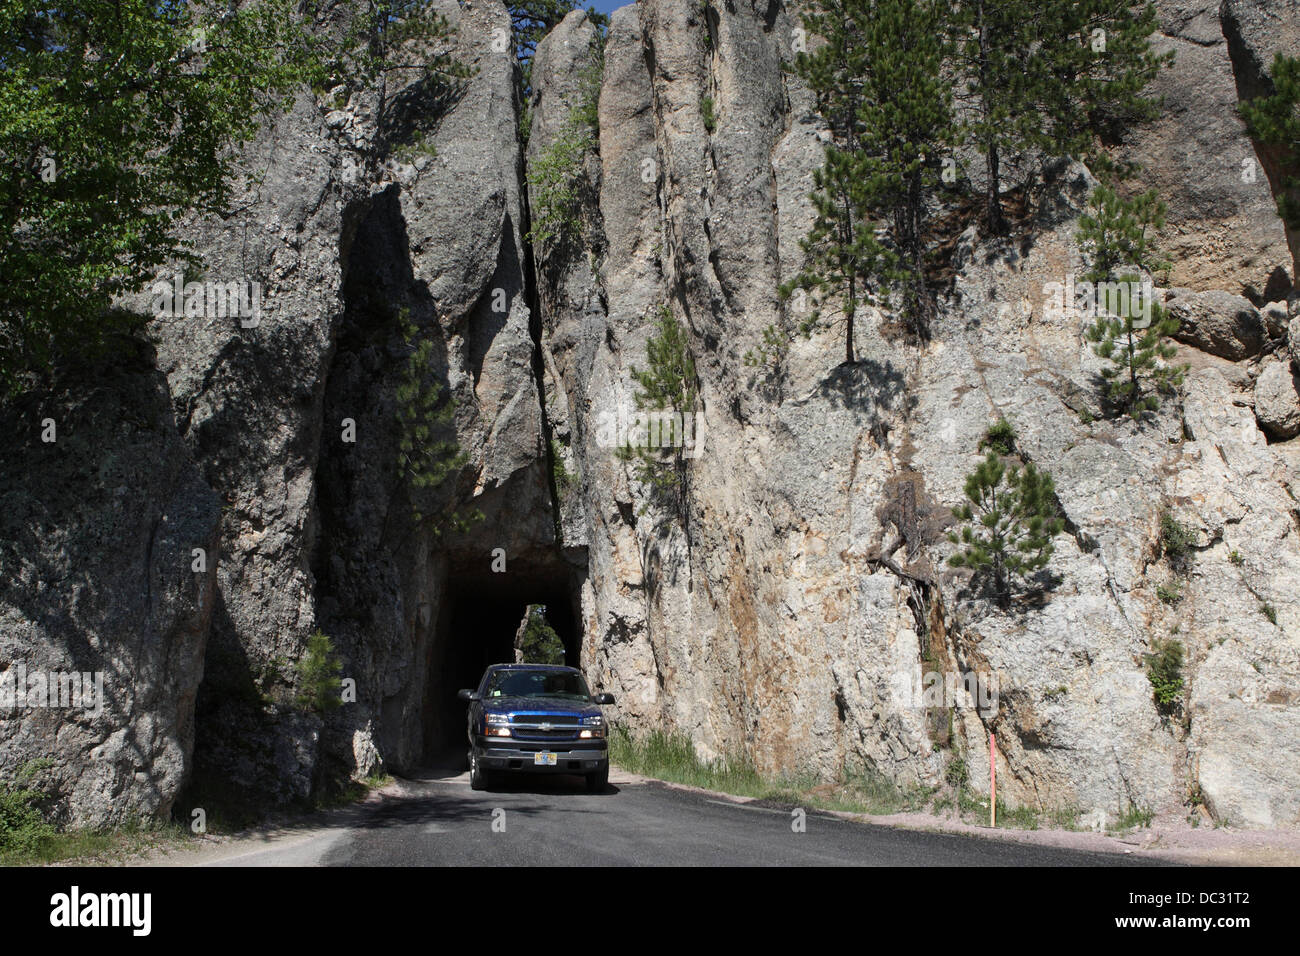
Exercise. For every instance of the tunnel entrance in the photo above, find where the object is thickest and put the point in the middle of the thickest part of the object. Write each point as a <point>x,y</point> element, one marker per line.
<point>480,615</point>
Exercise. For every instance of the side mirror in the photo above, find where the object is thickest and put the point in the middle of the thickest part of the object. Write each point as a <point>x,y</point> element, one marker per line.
<point>604,698</point>
<point>466,694</point>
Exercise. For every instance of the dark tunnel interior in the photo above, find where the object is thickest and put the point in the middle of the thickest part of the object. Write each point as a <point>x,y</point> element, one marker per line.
<point>476,628</point>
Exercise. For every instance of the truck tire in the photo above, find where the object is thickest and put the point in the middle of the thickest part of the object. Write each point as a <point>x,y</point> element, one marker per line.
<point>598,782</point>
<point>477,775</point>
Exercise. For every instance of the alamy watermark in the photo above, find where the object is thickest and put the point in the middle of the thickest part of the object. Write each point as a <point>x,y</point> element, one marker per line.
<point>972,690</point>
<point>652,428</point>
<point>1125,299</point>
<point>208,300</point>
<point>21,688</point>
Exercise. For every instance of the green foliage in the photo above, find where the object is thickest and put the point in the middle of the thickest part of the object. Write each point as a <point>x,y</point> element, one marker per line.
<point>404,38</point>
<point>418,146</point>
<point>1054,76</point>
<point>1176,539</point>
<point>878,81</point>
<point>557,175</point>
<point>319,689</point>
<point>1010,519</point>
<point>1116,234</point>
<point>426,457</point>
<point>1135,816</point>
<point>540,644</point>
<point>771,352</point>
<point>1115,237</point>
<point>139,108</point>
<point>1169,594</point>
<point>672,756</point>
<point>1165,672</point>
<point>1000,437</point>
<point>706,114</point>
<point>956,773</point>
<point>531,20</point>
<point>554,179</point>
<point>137,118</point>
<point>667,386</point>
<point>565,480</point>
<point>1269,612</point>
<point>22,826</point>
<point>1274,122</point>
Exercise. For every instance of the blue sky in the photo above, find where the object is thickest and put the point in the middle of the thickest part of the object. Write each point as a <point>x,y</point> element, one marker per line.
<point>605,6</point>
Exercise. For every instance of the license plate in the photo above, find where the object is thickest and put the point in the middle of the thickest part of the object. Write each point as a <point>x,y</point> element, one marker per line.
<point>544,760</point>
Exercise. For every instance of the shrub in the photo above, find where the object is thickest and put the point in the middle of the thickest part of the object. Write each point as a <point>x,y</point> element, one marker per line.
<point>1169,594</point>
<point>706,113</point>
<point>1001,437</point>
<point>22,827</point>
<point>555,176</point>
<point>1165,672</point>
<point>956,773</point>
<point>1176,539</point>
<point>318,675</point>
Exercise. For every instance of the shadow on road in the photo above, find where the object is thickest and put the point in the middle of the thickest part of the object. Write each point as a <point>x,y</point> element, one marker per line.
<point>453,763</point>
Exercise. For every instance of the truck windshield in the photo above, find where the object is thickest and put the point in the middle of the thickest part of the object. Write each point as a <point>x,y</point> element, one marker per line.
<point>539,683</point>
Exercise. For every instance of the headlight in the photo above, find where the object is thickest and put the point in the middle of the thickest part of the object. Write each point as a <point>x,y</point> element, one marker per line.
<point>498,725</point>
<point>592,727</point>
<point>597,721</point>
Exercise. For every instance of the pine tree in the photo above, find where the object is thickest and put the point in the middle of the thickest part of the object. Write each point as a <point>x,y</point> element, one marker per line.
<point>318,674</point>
<point>1051,76</point>
<point>1097,61</point>
<point>878,80</point>
<point>841,251</point>
<point>426,457</point>
<point>993,39</point>
<point>1115,237</point>
<point>1274,123</point>
<point>1011,516</point>
<point>667,393</point>
<point>539,643</point>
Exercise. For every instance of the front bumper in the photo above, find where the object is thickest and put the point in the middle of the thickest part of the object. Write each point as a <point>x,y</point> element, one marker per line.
<point>513,755</point>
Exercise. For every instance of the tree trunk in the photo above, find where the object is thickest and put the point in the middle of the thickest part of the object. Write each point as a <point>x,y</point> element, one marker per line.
<point>997,225</point>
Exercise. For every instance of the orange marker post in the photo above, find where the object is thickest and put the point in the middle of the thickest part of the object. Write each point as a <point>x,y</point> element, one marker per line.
<point>993,780</point>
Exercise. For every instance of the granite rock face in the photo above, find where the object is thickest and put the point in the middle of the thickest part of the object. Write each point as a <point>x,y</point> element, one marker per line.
<point>1223,232</point>
<point>1256,32</point>
<point>1217,322</point>
<point>1277,404</point>
<point>108,552</point>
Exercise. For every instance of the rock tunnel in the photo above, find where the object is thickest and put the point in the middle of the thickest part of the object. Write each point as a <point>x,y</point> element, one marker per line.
<point>476,627</point>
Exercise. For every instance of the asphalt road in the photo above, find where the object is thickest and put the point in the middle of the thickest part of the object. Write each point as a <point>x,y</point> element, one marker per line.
<point>440,821</point>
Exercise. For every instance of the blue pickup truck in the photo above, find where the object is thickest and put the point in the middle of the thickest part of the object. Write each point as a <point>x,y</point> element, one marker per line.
<point>536,718</point>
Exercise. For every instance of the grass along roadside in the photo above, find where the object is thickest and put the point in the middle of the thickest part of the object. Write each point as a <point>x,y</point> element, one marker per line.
<point>34,843</point>
<point>672,757</point>
<point>27,839</point>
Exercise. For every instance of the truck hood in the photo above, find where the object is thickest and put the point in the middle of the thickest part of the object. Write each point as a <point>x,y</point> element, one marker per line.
<point>539,705</point>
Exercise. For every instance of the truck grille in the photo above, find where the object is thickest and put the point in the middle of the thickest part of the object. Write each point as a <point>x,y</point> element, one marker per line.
<point>530,727</point>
